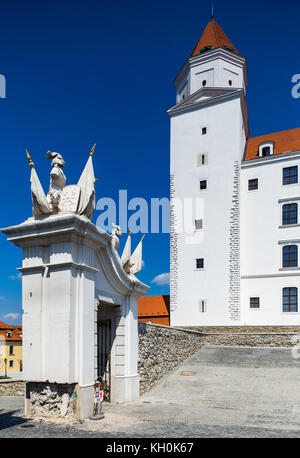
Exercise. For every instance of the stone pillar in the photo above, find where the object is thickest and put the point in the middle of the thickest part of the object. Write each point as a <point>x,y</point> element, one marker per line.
<point>124,376</point>
<point>58,303</point>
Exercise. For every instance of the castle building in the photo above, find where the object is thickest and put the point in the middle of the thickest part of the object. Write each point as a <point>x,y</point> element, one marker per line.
<point>10,350</point>
<point>239,263</point>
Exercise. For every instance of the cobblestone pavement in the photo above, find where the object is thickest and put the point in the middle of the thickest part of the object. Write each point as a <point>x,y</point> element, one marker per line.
<point>234,392</point>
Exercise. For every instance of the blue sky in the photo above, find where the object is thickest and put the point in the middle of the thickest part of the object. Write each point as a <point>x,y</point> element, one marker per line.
<point>80,73</point>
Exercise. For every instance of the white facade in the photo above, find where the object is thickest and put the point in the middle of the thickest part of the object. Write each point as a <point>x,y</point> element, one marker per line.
<point>263,237</point>
<point>217,68</point>
<point>235,252</point>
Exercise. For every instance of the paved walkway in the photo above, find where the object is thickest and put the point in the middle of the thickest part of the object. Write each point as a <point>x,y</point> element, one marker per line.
<point>226,392</point>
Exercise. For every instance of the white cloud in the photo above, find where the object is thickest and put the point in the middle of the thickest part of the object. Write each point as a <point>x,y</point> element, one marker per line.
<point>11,316</point>
<point>15,277</point>
<point>162,279</point>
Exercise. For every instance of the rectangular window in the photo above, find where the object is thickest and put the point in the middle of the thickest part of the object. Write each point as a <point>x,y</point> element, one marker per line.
<point>253,184</point>
<point>254,302</point>
<point>203,185</point>
<point>290,300</point>
<point>11,350</point>
<point>198,224</point>
<point>11,363</point>
<point>290,256</point>
<point>204,130</point>
<point>290,175</point>
<point>201,159</point>
<point>266,151</point>
<point>200,263</point>
<point>289,214</point>
<point>202,306</point>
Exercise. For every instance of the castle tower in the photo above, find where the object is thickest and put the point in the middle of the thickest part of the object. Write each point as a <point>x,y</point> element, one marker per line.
<point>209,128</point>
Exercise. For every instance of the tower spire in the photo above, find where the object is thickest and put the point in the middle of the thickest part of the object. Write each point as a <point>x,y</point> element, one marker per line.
<point>213,37</point>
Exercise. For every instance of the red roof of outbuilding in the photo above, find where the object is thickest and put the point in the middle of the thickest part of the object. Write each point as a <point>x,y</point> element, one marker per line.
<point>154,306</point>
<point>16,331</point>
<point>3,325</point>
<point>285,141</point>
<point>213,36</point>
<point>15,336</point>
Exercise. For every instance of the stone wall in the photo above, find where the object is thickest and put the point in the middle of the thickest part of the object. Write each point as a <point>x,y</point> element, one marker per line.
<point>162,349</point>
<point>246,329</point>
<point>11,387</point>
<point>51,400</point>
<point>250,336</point>
<point>253,340</point>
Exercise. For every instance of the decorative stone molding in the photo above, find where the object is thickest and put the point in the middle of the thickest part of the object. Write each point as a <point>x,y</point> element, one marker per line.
<point>234,248</point>
<point>173,248</point>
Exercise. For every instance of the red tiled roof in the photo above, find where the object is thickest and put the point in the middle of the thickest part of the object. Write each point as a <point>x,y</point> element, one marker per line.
<point>16,331</point>
<point>285,141</point>
<point>3,325</point>
<point>15,336</point>
<point>213,36</point>
<point>154,306</point>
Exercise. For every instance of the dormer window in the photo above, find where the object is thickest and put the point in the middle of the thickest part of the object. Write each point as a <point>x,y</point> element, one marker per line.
<point>9,334</point>
<point>229,48</point>
<point>205,49</point>
<point>266,149</point>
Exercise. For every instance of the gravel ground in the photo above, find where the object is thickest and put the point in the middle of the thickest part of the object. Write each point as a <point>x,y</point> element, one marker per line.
<point>234,392</point>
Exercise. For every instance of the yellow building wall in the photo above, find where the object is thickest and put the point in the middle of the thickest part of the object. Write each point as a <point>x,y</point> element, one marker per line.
<point>15,357</point>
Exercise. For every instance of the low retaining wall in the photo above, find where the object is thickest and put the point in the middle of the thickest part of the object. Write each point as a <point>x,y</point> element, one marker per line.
<point>11,387</point>
<point>162,349</point>
<point>245,329</point>
<point>253,340</point>
<point>250,336</point>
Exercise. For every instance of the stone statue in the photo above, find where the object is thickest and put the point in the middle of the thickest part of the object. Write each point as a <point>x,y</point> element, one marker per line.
<point>57,180</point>
<point>132,263</point>
<point>116,233</point>
<point>77,198</point>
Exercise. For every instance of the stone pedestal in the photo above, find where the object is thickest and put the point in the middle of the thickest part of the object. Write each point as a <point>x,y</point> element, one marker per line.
<point>69,268</point>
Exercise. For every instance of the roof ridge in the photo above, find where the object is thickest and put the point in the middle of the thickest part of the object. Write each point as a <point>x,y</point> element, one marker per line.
<point>215,31</point>
<point>276,132</point>
<point>285,141</point>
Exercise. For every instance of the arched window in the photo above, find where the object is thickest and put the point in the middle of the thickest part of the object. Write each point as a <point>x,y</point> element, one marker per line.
<point>290,256</point>
<point>290,300</point>
<point>266,149</point>
<point>289,214</point>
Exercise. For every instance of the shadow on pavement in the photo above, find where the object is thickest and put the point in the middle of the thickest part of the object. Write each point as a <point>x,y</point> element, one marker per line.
<point>8,419</point>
